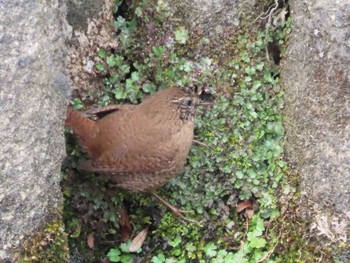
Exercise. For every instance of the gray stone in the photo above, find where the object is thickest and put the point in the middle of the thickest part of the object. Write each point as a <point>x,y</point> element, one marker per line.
<point>317,114</point>
<point>79,11</point>
<point>213,22</point>
<point>33,96</point>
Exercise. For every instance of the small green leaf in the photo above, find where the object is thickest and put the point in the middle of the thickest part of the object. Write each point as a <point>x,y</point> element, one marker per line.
<point>267,77</point>
<point>169,73</point>
<point>135,76</point>
<point>190,247</point>
<point>160,258</point>
<point>148,87</point>
<point>175,242</point>
<point>138,11</point>
<point>114,255</point>
<point>158,51</point>
<point>210,250</point>
<point>100,67</point>
<point>110,61</point>
<point>206,61</point>
<point>260,224</point>
<point>124,247</point>
<point>119,23</point>
<point>126,258</point>
<point>250,71</point>
<point>239,174</point>
<point>257,242</point>
<point>125,69</point>
<point>248,79</point>
<point>77,104</point>
<point>253,114</point>
<point>181,35</point>
<point>119,94</point>
<point>260,66</point>
<point>102,53</point>
<point>187,67</point>
<point>256,84</point>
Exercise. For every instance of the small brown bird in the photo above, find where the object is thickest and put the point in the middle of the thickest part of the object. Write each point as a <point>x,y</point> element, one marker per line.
<point>140,147</point>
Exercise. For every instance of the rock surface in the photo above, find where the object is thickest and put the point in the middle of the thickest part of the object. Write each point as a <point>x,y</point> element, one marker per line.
<point>213,22</point>
<point>79,11</point>
<point>317,115</point>
<point>33,98</point>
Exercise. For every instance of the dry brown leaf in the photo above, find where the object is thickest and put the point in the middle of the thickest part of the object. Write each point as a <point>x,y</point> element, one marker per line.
<point>125,225</point>
<point>137,242</point>
<point>91,240</point>
<point>244,205</point>
<point>249,213</point>
<point>267,223</point>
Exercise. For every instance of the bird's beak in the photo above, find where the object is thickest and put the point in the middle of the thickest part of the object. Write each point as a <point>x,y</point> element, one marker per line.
<point>176,101</point>
<point>205,104</point>
<point>196,102</point>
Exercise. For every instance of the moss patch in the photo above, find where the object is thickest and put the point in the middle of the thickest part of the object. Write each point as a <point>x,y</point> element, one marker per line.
<point>48,245</point>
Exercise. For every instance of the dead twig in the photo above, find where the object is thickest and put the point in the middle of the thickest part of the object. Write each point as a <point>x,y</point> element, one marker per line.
<point>270,252</point>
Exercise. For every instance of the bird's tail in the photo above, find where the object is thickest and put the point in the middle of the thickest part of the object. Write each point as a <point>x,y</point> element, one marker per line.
<point>82,126</point>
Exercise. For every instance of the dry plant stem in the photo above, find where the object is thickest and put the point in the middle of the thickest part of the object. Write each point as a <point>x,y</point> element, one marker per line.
<point>270,252</point>
<point>205,104</point>
<point>177,212</point>
<point>268,26</point>
<point>268,14</point>
<point>245,233</point>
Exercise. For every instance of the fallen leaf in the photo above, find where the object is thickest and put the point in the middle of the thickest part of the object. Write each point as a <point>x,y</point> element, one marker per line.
<point>267,223</point>
<point>90,240</point>
<point>249,213</point>
<point>137,242</point>
<point>244,205</point>
<point>125,225</point>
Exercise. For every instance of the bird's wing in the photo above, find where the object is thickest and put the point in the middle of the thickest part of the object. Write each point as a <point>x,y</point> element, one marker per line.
<point>126,146</point>
<point>101,112</point>
<point>141,164</point>
<point>136,159</point>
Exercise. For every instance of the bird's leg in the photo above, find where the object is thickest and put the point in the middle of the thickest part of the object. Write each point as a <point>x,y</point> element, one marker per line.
<point>177,212</point>
<point>199,143</point>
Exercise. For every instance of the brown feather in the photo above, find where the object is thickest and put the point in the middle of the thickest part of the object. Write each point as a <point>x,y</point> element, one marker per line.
<point>139,147</point>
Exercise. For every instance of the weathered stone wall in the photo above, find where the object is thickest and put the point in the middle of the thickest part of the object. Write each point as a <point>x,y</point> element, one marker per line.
<point>33,97</point>
<point>79,11</point>
<point>317,113</point>
<point>213,22</point>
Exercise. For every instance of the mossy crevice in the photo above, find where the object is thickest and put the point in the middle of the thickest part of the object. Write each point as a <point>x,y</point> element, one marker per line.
<point>48,245</point>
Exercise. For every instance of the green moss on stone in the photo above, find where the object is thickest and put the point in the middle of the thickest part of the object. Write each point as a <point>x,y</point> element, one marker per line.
<point>48,245</point>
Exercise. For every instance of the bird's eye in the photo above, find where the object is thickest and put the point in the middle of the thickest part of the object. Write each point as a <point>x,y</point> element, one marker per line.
<point>189,102</point>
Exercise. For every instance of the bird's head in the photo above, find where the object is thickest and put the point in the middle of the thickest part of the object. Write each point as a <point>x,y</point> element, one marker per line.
<point>183,102</point>
<point>187,106</point>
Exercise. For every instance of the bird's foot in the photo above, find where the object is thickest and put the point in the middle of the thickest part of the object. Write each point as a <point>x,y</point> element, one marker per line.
<point>199,143</point>
<point>178,213</point>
